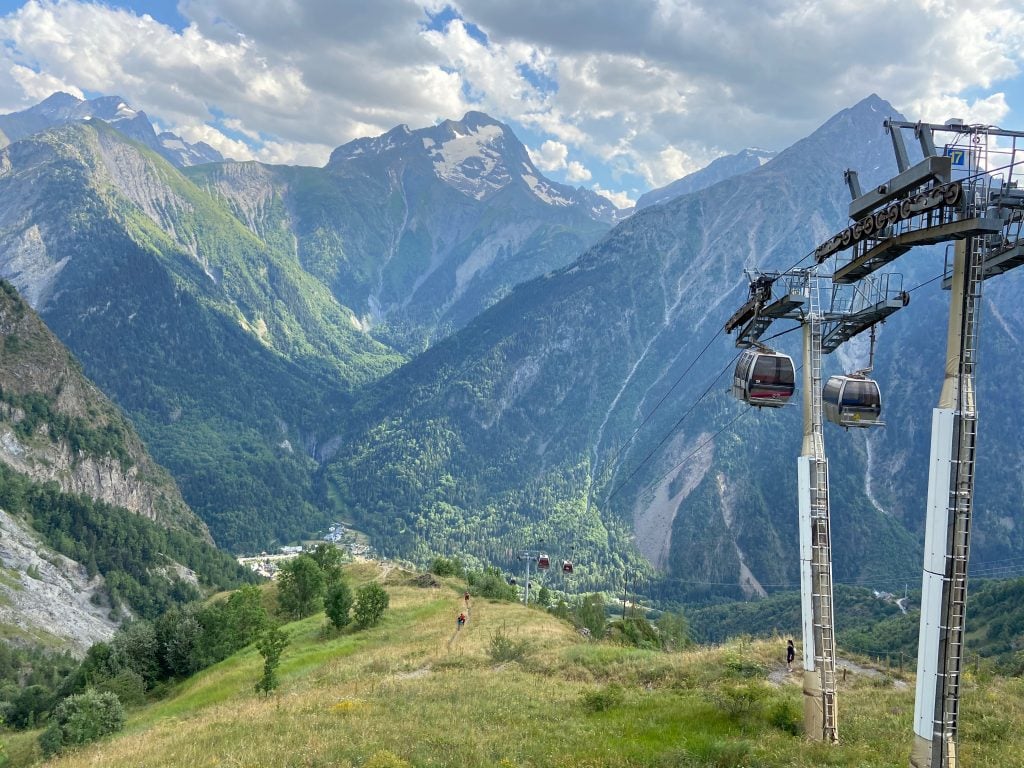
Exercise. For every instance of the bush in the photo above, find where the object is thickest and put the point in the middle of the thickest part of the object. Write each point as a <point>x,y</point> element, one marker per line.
<point>786,716</point>
<point>338,603</point>
<point>740,702</point>
<point>503,647</point>
<point>635,631</point>
<point>490,584</point>
<point>386,759</point>
<point>605,698</point>
<point>371,602</point>
<point>82,718</point>
<point>442,566</point>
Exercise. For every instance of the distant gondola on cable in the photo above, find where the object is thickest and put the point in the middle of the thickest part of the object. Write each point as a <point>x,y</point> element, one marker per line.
<point>543,562</point>
<point>567,567</point>
<point>764,378</point>
<point>852,401</point>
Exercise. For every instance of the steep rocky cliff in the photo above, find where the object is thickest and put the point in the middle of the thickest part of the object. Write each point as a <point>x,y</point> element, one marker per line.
<point>57,426</point>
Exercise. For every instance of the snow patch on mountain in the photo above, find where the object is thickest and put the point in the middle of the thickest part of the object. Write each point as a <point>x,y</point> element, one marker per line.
<point>546,192</point>
<point>470,162</point>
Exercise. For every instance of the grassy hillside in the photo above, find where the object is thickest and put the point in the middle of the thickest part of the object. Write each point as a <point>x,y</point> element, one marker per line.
<point>411,692</point>
<point>877,627</point>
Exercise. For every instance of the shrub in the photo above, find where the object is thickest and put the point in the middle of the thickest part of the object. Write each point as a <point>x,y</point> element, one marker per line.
<point>490,584</point>
<point>127,685</point>
<point>371,602</point>
<point>786,716</point>
<point>635,631</point>
<point>338,603</point>
<point>82,718</point>
<point>605,698</point>
<point>740,702</point>
<point>442,566</point>
<point>503,647</point>
<point>386,759</point>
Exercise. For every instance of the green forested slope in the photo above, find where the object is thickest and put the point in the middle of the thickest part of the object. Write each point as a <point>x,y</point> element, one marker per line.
<point>231,360</point>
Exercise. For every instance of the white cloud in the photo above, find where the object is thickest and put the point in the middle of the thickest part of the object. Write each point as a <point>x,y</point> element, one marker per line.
<point>936,109</point>
<point>620,199</point>
<point>36,86</point>
<point>551,156</point>
<point>577,172</point>
<point>650,89</point>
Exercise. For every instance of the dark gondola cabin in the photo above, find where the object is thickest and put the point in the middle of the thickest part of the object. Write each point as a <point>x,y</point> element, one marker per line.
<point>543,563</point>
<point>764,378</point>
<point>852,401</point>
<point>567,567</point>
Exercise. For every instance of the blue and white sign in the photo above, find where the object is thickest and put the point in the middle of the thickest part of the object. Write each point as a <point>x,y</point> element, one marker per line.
<point>956,155</point>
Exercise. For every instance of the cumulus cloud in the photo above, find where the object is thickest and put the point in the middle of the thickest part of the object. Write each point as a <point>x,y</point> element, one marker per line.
<point>620,199</point>
<point>551,156</point>
<point>577,172</point>
<point>643,92</point>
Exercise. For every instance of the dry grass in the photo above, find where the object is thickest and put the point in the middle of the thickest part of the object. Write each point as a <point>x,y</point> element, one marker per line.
<point>429,696</point>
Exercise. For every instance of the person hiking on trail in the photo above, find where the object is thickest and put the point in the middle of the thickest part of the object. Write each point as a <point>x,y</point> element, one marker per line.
<point>460,622</point>
<point>790,655</point>
<point>467,600</point>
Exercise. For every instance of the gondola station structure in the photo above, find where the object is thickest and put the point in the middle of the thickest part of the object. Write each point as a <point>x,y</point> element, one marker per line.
<point>966,190</point>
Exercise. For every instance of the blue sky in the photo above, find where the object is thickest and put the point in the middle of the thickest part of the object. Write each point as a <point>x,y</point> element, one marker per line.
<point>620,97</point>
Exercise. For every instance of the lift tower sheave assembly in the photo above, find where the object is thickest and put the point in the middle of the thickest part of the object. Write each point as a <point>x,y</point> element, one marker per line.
<point>968,193</point>
<point>795,295</point>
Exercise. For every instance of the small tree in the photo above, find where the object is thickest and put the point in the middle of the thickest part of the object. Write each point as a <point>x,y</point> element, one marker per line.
<point>300,587</point>
<point>338,603</point>
<point>543,597</point>
<point>270,645</point>
<point>82,718</point>
<point>675,630</point>
<point>591,614</point>
<point>329,558</point>
<point>371,602</point>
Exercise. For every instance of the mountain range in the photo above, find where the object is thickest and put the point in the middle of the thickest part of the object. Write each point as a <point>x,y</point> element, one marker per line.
<point>430,340</point>
<point>62,108</point>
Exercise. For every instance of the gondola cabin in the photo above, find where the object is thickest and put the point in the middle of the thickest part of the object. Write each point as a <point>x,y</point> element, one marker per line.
<point>543,562</point>
<point>852,401</point>
<point>567,567</point>
<point>764,378</point>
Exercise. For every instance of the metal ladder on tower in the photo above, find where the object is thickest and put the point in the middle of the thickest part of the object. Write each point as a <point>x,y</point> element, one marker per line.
<point>961,500</point>
<point>821,541</point>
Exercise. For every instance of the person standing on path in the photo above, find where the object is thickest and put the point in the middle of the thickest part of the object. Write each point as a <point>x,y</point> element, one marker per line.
<point>790,655</point>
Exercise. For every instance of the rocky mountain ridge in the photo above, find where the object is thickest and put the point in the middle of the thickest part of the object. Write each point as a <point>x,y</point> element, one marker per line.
<point>62,108</point>
<point>56,426</point>
<point>717,170</point>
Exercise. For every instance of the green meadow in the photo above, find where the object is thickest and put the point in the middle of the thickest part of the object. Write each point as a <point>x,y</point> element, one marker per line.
<point>519,687</point>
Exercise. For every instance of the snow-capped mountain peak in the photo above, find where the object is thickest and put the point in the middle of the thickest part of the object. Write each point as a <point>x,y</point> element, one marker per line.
<point>61,108</point>
<point>478,156</point>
